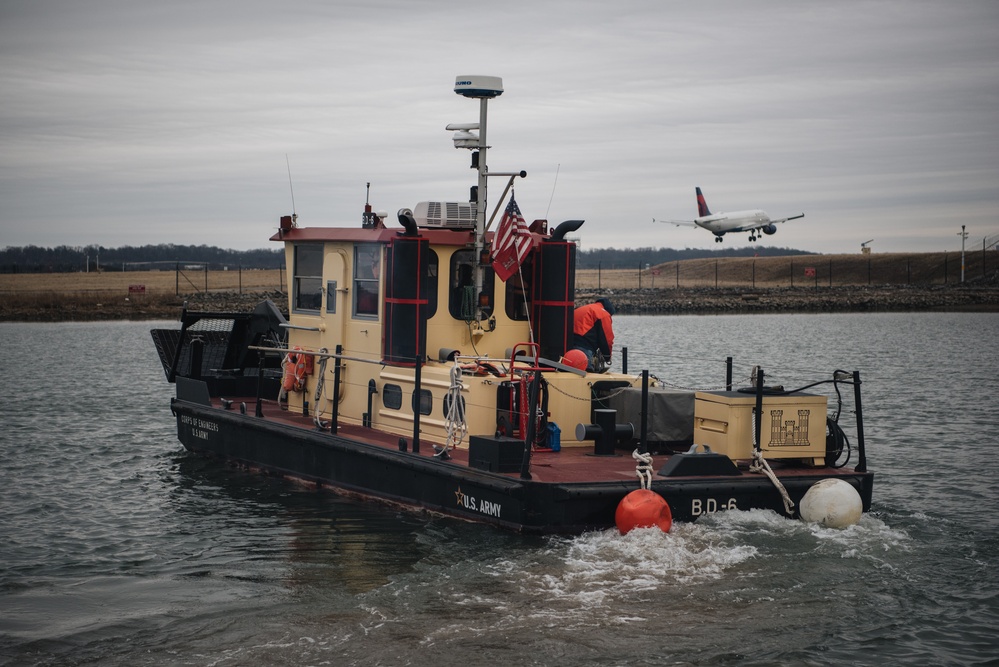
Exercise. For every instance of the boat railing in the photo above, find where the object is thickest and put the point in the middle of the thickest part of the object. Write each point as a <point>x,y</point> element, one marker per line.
<point>760,390</point>
<point>839,377</point>
<point>299,327</point>
<point>338,355</point>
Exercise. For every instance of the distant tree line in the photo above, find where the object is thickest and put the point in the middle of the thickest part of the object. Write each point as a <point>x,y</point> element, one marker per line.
<point>68,259</point>
<point>631,258</point>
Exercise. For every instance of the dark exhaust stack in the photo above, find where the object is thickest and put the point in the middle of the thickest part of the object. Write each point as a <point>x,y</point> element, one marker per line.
<point>407,220</point>
<point>565,228</point>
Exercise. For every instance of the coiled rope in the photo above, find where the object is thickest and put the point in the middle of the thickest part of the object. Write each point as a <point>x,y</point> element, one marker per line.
<point>454,420</point>
<point>643,468</point>
<point>320,387</point>
<point>282,392</point>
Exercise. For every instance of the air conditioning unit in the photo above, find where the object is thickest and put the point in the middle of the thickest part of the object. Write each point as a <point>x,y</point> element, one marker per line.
<point>444,215</point>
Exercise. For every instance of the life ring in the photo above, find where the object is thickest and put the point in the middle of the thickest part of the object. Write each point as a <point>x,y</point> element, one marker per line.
<point>486,368</point>
<point>296,366</point>
<point>481,368</point>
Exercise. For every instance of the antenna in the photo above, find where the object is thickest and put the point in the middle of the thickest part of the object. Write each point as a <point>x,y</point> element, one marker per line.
<point>555,183</point>
<point>367,218</point>
<point>294,214</point>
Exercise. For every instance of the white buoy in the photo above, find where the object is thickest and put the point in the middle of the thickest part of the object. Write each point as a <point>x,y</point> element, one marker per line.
<point>832,503</point>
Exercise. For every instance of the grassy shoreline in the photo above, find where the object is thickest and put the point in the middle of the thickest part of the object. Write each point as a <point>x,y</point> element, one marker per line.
<point>842,283</point>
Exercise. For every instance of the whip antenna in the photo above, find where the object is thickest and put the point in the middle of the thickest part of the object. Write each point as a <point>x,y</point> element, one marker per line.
<point>291,187</point>
<point>557,167</point>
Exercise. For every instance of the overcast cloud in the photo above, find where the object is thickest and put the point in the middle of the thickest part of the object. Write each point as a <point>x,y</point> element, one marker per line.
<point>129,123</point>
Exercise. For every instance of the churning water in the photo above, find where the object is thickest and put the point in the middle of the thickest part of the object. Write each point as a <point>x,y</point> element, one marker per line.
<point>118,548</point>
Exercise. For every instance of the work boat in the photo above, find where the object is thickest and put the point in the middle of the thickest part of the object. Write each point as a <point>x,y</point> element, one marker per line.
<point>408,371</point>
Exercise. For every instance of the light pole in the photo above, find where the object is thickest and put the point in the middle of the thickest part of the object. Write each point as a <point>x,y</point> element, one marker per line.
<point>964,235</point>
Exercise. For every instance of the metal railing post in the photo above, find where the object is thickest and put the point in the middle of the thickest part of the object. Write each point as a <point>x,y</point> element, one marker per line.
<point>861,450</point>
<point>417,404</point>
<point>335,409</point>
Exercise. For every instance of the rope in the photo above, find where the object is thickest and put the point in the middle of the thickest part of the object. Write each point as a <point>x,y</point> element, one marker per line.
<point>282,392</point>
<point>454,420</point>
<point>527,305</point>
<point>760,464</point>
<point>643,468</point>
<point>320,387</point>
<point>683,388</point>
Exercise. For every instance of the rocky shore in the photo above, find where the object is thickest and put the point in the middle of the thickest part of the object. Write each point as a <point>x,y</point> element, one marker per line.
<point>649,301</point>
<point>706,300</point>
<point>49,309</point>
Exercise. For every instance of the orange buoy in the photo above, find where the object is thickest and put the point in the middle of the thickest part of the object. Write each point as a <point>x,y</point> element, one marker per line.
<point>643,508</point>
<point>575,358</point>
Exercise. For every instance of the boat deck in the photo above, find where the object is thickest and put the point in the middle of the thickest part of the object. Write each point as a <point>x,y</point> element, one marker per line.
<point>570,465</point>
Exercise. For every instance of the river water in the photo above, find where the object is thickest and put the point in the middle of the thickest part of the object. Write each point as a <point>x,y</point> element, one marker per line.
<point>118,548</point>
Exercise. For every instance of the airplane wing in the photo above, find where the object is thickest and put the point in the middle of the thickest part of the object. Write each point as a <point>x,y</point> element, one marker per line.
<point>793,217</point>
<point>678,223</point>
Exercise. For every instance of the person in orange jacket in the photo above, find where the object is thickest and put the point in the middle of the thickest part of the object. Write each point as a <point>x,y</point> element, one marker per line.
<point>594,333</point>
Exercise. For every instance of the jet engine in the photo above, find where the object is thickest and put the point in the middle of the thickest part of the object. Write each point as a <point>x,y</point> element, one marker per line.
<point>770,229</point>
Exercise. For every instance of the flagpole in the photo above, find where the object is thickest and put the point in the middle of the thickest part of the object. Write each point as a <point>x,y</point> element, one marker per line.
<point>499,202</point>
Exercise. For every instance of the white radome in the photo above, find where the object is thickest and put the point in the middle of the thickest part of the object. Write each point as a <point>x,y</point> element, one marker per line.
<point>832,503</point>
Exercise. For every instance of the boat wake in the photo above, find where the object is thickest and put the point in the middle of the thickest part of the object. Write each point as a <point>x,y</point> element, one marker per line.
<point>605,567</point>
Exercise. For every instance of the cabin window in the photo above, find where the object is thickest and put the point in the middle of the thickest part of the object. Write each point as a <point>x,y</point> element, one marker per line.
<point>367,276</point>
<point>518,293</point>
<point>392,396</point>
<point>425,400</point>
<point>432,271</point>
<point>462,298</point>
<point>308,282</point>
<point>331,296</point>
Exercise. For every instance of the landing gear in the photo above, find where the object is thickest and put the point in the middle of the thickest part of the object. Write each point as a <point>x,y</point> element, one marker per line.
<point>751,238</point>
<point>718,239</point>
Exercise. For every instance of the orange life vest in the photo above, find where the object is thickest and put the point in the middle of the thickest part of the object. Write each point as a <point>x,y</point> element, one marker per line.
<point>296,366</point>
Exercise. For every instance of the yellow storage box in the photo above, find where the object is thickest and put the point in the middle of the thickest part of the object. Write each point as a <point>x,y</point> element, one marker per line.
<point>793,425</point>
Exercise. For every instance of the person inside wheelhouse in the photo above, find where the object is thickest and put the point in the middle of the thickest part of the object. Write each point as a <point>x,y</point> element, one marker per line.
<point>462,302</point>
<point>518,294</point>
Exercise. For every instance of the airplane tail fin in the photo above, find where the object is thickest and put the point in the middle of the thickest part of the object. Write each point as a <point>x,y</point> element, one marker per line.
<point>702,206</point>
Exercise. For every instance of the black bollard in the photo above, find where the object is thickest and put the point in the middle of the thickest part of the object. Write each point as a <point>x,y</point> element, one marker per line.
<point>605,432</point>
<point>604,445</point>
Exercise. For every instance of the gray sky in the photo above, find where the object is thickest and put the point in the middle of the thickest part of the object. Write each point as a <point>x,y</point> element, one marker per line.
<point>132,123</point>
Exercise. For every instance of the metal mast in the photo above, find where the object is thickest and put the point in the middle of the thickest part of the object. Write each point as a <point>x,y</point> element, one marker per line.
<point>482,88</point>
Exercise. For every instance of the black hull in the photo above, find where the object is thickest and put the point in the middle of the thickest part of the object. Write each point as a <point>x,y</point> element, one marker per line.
<point>351,465</point>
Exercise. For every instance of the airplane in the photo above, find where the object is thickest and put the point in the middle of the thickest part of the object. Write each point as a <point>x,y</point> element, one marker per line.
<point>756,222</point>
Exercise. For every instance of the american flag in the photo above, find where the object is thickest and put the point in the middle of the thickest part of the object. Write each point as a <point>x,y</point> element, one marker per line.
<point>512,242</point>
